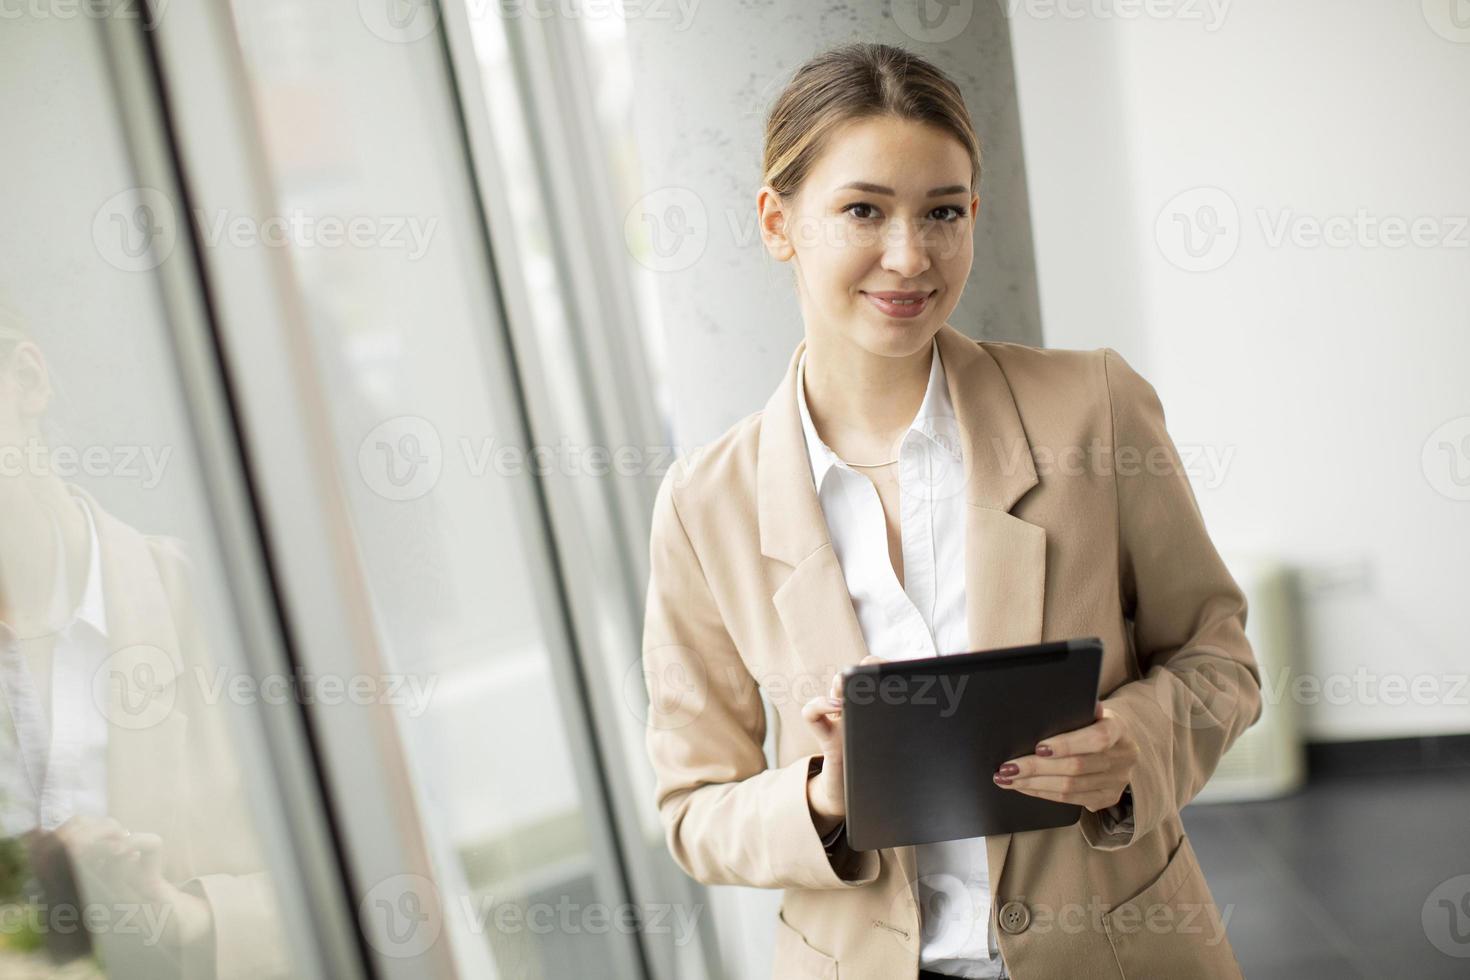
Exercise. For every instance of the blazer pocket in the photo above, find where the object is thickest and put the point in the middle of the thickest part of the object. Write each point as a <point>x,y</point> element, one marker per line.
<point>1172,927</point>
<point>795,957</point>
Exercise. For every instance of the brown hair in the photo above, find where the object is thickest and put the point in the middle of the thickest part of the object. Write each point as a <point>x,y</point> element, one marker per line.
<point>858,81</point>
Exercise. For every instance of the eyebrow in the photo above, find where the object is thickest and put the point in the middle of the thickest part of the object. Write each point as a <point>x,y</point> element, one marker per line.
<point>862,185</point>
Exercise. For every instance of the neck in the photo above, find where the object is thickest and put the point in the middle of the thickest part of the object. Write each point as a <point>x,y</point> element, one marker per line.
<point>862,403</point>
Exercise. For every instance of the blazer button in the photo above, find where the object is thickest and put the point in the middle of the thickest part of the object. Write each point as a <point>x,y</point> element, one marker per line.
<point>1014,917</point>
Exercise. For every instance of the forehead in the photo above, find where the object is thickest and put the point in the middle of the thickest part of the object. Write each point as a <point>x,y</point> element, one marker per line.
<point>908,156</point>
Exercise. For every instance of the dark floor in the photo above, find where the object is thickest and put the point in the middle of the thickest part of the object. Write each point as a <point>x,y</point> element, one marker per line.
<point>1339,880</point>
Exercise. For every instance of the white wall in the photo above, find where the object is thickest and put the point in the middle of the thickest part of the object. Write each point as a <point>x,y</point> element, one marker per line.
<point>1316,373</point>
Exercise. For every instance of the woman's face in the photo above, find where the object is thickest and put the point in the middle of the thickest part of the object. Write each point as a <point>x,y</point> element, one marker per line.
<point>888,208</point>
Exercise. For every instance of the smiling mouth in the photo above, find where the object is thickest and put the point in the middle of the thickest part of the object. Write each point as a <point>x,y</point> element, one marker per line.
<point>903,305</point>
<point>901,299</point>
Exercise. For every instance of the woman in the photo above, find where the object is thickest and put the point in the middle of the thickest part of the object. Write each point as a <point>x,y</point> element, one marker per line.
<point>909,492</point>
<point>133,804</point>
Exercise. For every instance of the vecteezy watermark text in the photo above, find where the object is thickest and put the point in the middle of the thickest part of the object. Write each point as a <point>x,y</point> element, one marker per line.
<point>64,919</point>
<point>146,464</point>
<point>137,687</point>
<point>404,915</point>
<point>301,229</point>
<point>137,230</point>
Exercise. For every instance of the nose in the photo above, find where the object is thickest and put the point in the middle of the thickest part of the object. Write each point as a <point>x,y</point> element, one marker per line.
<point>905,253</point>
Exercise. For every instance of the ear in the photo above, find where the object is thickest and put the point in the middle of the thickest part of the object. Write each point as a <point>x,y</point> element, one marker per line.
<point>774,216</point>
<point>28,367</point>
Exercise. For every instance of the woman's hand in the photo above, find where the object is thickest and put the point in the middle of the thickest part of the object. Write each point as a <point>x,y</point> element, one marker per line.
<point>1090,766</point>
<point>122,870</point>
<point>824,790</point>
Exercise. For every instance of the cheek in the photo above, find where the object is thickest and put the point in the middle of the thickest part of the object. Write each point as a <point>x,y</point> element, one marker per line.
<point>954,271</point>
<point>837,263</point>
<point>955,252</point>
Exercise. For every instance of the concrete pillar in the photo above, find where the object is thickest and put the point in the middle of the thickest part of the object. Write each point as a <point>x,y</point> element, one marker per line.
<point>705,75</point>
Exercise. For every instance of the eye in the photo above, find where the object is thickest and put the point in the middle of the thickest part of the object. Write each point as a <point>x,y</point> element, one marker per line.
<point>949,213</point>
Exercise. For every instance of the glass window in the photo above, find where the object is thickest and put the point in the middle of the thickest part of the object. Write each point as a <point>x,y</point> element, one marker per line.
<point>385,238</point>
<point>133,816</point>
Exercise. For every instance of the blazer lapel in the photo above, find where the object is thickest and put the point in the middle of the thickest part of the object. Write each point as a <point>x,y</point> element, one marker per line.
<point>146,725</point>
<point>813,602</point>
<point>1005,556</point>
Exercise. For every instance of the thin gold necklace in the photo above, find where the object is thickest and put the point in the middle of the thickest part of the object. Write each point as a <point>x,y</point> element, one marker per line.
<point>886,463</point>
<point>833,451</point>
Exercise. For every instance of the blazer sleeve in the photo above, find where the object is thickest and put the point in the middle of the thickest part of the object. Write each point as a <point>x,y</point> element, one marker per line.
<point>1200,686</point>
<point>227,866</point>
<point>728,818</point>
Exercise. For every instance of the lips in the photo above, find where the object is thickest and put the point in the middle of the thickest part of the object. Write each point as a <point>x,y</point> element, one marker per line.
<point>902,304</point>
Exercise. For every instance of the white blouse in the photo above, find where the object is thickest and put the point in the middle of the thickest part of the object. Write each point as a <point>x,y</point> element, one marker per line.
<point>923,617</point>
<point>51,772</point>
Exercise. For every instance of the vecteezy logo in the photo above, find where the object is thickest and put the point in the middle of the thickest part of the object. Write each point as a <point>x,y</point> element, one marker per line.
<point>667,229</point>
<point>942,474</point>
<point>402,458</point>
<point>1199,229</point>
<point>1450,19</point>
<point>943,902</point>
<point>135,687</point>
<point>1446,458</point>
<point>401,915</point>
<point>135,230</point>
<point>933,21</point>
<point>1446,916</point>
<point>399,21</point>
<point>1204,697</point>
<point>667,688</point>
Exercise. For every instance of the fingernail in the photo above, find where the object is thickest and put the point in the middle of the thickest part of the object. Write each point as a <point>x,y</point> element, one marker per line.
<point>1002,780</point>
<point>1009,769</point>
<point>1043,750</point>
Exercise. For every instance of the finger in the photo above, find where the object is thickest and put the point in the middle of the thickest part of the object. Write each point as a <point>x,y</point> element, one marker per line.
<point>111,854</point>
<point>1071,765</point>
<point>1042,794</point>
<point>119,863</point>
<point>821,714</point>
<point>1090,783</point>
<point>821,706</point>
<point>105,826</point>
<point>1093,738</point>
<point>1092,801</point>
<point>96,841</point>
<point>80,829</point>
<point>149,848</point>
<point>142,843</point>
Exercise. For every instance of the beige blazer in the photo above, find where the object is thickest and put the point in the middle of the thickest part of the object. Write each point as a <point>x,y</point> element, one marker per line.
<point>1081,522</point>
<point>171,768</point>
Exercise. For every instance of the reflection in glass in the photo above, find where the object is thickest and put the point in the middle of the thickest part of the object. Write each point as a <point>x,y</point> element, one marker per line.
<point>127,843</point>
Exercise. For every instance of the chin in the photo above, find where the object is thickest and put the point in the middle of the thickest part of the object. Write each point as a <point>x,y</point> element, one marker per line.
<point>888,337</point>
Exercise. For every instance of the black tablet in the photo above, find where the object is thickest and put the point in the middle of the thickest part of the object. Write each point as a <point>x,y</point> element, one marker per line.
<point>922,739</point>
